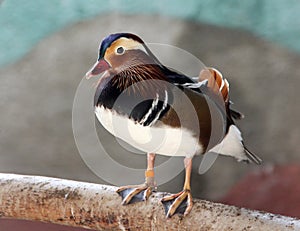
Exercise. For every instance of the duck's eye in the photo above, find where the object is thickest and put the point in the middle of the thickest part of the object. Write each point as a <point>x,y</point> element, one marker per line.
<point>120,50</point>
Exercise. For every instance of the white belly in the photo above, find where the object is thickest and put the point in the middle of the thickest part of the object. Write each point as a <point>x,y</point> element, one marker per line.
<point>163,140</point>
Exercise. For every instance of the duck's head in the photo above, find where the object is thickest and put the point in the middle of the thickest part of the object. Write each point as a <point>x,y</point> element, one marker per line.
<point>120,51</point>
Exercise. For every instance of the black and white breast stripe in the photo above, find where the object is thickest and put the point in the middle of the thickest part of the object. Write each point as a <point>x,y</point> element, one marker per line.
<point>157,109</point>
<point>150,111</point>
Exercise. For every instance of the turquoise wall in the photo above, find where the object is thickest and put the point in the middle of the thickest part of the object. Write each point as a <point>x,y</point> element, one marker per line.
<point>23,23</point>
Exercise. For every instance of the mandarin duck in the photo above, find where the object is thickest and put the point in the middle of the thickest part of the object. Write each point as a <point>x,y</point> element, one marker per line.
<point>138,99</point>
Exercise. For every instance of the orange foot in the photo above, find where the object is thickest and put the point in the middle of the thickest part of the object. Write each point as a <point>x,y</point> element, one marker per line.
<point>181,203</point>
<point>134,193</point>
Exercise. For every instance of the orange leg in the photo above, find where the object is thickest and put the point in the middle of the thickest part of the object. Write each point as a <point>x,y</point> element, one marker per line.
<point>137,193</point>
<point>181,202</point>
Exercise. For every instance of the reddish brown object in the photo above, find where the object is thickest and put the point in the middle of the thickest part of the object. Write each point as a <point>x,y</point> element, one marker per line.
<point>275,189</point>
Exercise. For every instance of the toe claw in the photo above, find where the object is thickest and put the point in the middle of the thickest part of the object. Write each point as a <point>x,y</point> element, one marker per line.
<point>189,205</point>
<point>148,193</point>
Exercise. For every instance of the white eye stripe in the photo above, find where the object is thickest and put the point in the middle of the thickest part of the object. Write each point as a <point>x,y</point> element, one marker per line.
<point>129,44</point>
<point>121,50</point>
<point>142,48</point>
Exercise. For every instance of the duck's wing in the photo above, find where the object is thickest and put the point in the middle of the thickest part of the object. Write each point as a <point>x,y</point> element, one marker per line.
<point>232,144</point>
<point>211,83</point>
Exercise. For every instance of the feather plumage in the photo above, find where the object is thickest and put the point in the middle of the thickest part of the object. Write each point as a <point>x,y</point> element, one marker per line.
<point>131,72</point>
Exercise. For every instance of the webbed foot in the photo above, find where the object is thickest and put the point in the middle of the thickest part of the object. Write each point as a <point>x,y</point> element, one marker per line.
<point>181,203</point>
<point>134,193</point>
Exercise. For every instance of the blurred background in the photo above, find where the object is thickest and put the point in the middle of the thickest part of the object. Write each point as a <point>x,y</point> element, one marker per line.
<point>47,46</point>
